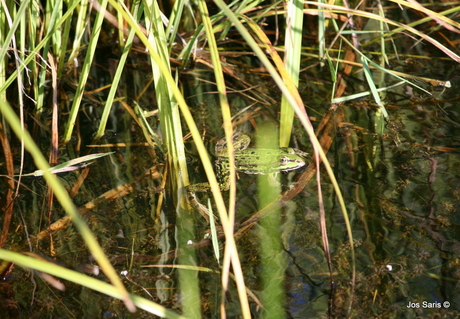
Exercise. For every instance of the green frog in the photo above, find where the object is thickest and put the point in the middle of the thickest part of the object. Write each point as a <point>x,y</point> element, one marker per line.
<point>249,161</point>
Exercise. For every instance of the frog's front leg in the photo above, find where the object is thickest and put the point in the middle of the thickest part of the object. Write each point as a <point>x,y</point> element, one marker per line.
<point>273,179</point>
<point>191,196</point>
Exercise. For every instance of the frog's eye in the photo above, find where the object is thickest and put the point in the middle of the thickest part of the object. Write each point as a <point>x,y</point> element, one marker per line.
<point>284,160</point>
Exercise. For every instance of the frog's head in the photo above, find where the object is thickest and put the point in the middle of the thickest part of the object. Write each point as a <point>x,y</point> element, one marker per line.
<point>290,162</point>
<point>267,161</point>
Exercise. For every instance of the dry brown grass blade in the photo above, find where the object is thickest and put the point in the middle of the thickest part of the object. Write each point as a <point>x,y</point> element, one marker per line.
<point>8,195</point>
<point>53,159</point>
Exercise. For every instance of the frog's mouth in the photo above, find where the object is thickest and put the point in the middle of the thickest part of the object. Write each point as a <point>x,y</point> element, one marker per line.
<point>298,164</point>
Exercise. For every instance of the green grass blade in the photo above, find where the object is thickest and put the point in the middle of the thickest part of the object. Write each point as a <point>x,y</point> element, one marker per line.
<point>208,167</point>
<point>231,253</point>
<point>85,281</point>
<point>283,84</point>
<point>292,56</point>
<point>370,82</point>
<point>70,165</point>
<point>147,129</point>
<point>36,51</point>
<point>63,51</point>
<point>177,95</point>
<point>34,25</point>
<point>65,201</point>
<point>12,29</point>
<point>214,239</point>
<point>363,94</point>
<point>407,28</point>
<point>116,78</point>
<point>85,71</point>
<point>52,18</point>
<point>176,20</point>
<point>171,127</point>
<point>81,22</point>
